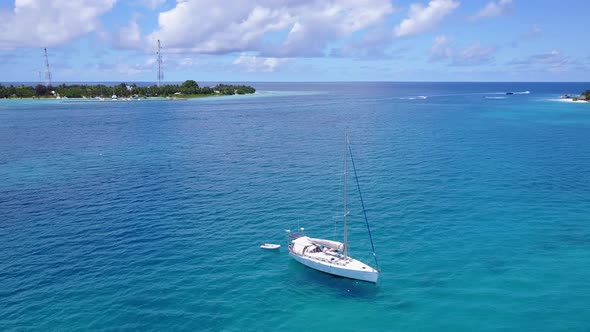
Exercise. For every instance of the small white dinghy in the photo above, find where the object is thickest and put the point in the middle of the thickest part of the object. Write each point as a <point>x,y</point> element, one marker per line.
<point>270,246</point>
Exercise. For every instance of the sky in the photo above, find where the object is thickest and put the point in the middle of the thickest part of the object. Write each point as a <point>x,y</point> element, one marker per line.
<point>295,40</point>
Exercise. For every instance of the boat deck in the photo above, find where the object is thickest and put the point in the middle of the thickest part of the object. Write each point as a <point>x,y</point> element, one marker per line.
<point>334,258</point>
<point>328,257</point>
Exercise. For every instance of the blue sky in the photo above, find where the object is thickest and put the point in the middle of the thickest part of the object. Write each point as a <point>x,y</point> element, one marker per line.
<point>296,40</point>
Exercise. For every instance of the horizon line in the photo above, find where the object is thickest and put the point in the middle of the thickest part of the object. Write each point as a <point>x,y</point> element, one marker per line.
<point>245,81</point>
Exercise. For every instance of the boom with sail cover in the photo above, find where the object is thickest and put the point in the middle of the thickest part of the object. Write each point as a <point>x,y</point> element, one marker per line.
<point>328,243</point>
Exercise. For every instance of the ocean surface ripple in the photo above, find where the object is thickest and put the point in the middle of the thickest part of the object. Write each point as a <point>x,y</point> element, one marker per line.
<point>148,215</point>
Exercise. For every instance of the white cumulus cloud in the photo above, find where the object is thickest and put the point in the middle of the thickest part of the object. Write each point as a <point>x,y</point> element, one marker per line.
<point>39,23</point>
<point>423,18</point>
<point>273,28</point>
<point>213,27</point>
<point>319,23</point>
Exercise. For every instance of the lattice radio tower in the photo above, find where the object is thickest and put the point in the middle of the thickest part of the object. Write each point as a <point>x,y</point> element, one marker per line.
<point>160,70</point>
<point>47,71</point>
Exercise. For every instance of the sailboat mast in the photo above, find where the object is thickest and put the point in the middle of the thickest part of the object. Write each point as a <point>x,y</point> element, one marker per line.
<point>345,193</point>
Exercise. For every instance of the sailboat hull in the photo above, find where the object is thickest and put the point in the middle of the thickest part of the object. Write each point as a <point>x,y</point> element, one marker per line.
<point>341,271</point>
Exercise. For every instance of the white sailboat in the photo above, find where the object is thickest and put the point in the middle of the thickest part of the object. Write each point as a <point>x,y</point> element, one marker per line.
<point>332,256</point>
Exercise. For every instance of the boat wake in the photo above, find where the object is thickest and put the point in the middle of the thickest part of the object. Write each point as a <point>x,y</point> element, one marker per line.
<point>487,95</point>
<point>468,94</point>
<point>414,97</point>
<point>518,93</point>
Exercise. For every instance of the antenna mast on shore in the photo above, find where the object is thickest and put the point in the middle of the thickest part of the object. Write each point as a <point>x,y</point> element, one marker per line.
<point>160,73</point>
<point>47,71</point>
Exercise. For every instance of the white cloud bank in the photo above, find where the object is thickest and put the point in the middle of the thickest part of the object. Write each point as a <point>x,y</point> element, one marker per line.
<point>39,23</point>
<point>423,18</point>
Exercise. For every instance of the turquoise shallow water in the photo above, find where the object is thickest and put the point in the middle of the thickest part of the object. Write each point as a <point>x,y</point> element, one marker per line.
<point>148,215</point>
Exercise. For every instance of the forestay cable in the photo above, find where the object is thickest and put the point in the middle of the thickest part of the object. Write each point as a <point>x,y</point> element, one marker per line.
<point>363,205</point>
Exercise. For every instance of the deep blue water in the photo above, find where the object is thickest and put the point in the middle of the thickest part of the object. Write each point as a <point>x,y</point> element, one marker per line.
<point>148,215</point>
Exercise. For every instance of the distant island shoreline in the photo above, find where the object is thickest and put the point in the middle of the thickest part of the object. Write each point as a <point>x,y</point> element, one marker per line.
<point>583,97</point>
<point>188,89</point>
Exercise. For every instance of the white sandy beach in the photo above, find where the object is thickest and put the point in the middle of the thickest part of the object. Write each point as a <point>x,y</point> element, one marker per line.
<point>569,100</point>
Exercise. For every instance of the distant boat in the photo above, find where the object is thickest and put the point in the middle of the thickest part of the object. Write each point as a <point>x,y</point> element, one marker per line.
<point>509,93</point>
<point>332,256</point>
<point>270,246</point>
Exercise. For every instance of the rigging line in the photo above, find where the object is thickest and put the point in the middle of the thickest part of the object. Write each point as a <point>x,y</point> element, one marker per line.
<point>363,205</point>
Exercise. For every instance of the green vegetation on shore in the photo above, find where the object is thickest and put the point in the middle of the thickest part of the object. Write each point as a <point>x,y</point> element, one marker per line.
<point>188,89</point>
<point>584,96</point>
